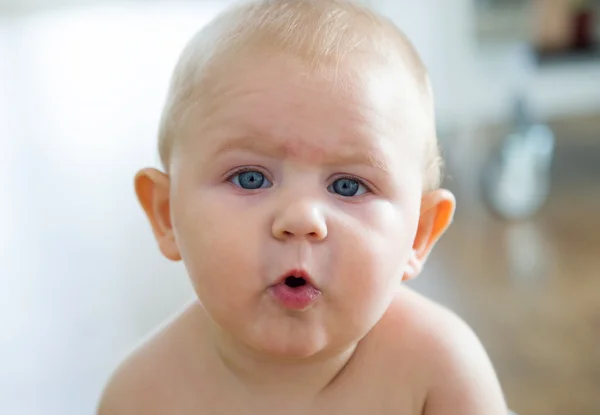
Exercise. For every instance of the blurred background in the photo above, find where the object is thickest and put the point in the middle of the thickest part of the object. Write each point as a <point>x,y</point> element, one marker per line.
<point>81,280</point>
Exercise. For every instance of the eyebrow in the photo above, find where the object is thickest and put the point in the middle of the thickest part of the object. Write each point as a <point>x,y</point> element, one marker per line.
<point>250,143</point>
<point>265,146</point>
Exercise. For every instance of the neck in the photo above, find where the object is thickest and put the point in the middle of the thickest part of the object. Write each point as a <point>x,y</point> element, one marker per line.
<point>264,374</point>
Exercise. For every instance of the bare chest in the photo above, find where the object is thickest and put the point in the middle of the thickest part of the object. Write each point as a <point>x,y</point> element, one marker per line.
<point>369,395</point>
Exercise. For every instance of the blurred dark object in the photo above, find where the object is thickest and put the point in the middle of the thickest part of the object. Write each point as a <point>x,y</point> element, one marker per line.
<point>583,28</point>
<point>565,31</point>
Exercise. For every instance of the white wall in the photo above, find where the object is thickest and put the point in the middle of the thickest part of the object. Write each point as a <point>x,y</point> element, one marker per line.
<point>81,279</point>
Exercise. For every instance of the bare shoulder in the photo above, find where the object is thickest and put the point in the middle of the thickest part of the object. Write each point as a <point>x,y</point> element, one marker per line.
<point>445,356</point>
<point>145,382</point>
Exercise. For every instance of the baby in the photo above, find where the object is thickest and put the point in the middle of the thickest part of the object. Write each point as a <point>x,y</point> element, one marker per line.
<point>301,186</point>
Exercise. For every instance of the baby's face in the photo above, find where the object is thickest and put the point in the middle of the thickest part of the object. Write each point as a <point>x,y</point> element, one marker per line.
<point>283,174</point>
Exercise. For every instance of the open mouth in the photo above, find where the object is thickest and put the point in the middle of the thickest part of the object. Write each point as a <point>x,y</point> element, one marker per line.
<point>295,282</point>
<point>296,278</point>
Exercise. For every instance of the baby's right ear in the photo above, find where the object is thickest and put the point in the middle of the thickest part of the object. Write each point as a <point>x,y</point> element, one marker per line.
<point>153,191</point>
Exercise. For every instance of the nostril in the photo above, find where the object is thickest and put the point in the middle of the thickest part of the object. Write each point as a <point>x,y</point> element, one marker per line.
<point>294,282</point>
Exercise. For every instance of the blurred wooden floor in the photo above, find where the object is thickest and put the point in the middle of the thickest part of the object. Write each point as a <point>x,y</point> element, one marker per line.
<point>531,290</point>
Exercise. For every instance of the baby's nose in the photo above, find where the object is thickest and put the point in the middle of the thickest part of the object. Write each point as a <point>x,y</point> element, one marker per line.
<point>300,219</point>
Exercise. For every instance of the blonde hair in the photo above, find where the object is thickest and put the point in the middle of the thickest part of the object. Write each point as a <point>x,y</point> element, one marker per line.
<point>319,32</point>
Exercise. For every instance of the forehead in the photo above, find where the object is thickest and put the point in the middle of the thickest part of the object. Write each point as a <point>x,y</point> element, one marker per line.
<point>309,115</point>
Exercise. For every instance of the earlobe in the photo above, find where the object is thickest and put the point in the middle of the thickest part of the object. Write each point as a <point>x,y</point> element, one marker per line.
<point>437,212</point>
<point>152,188</point>
<point>413,267</point>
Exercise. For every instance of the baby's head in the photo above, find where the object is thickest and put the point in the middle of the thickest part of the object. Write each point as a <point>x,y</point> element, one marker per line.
<point>301,172</point>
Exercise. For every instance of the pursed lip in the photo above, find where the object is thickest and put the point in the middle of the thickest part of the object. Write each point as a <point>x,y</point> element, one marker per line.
<point>295,295</point>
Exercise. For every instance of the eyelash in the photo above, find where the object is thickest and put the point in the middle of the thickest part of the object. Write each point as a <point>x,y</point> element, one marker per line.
<point>261,171</point>
<point>241,170</point>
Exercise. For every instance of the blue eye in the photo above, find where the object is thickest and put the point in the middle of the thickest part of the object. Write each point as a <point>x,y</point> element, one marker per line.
<point>250,180</point>
<point>347,187</point>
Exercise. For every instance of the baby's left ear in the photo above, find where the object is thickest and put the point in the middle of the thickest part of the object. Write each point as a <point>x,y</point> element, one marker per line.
<point>437,211</point>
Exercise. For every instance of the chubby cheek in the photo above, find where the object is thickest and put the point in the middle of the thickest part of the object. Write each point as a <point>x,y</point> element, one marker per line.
<point>374,242</point>
<point>217,246</point>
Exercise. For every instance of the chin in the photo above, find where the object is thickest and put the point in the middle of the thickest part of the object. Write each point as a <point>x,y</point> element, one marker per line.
<point>296,346</point>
